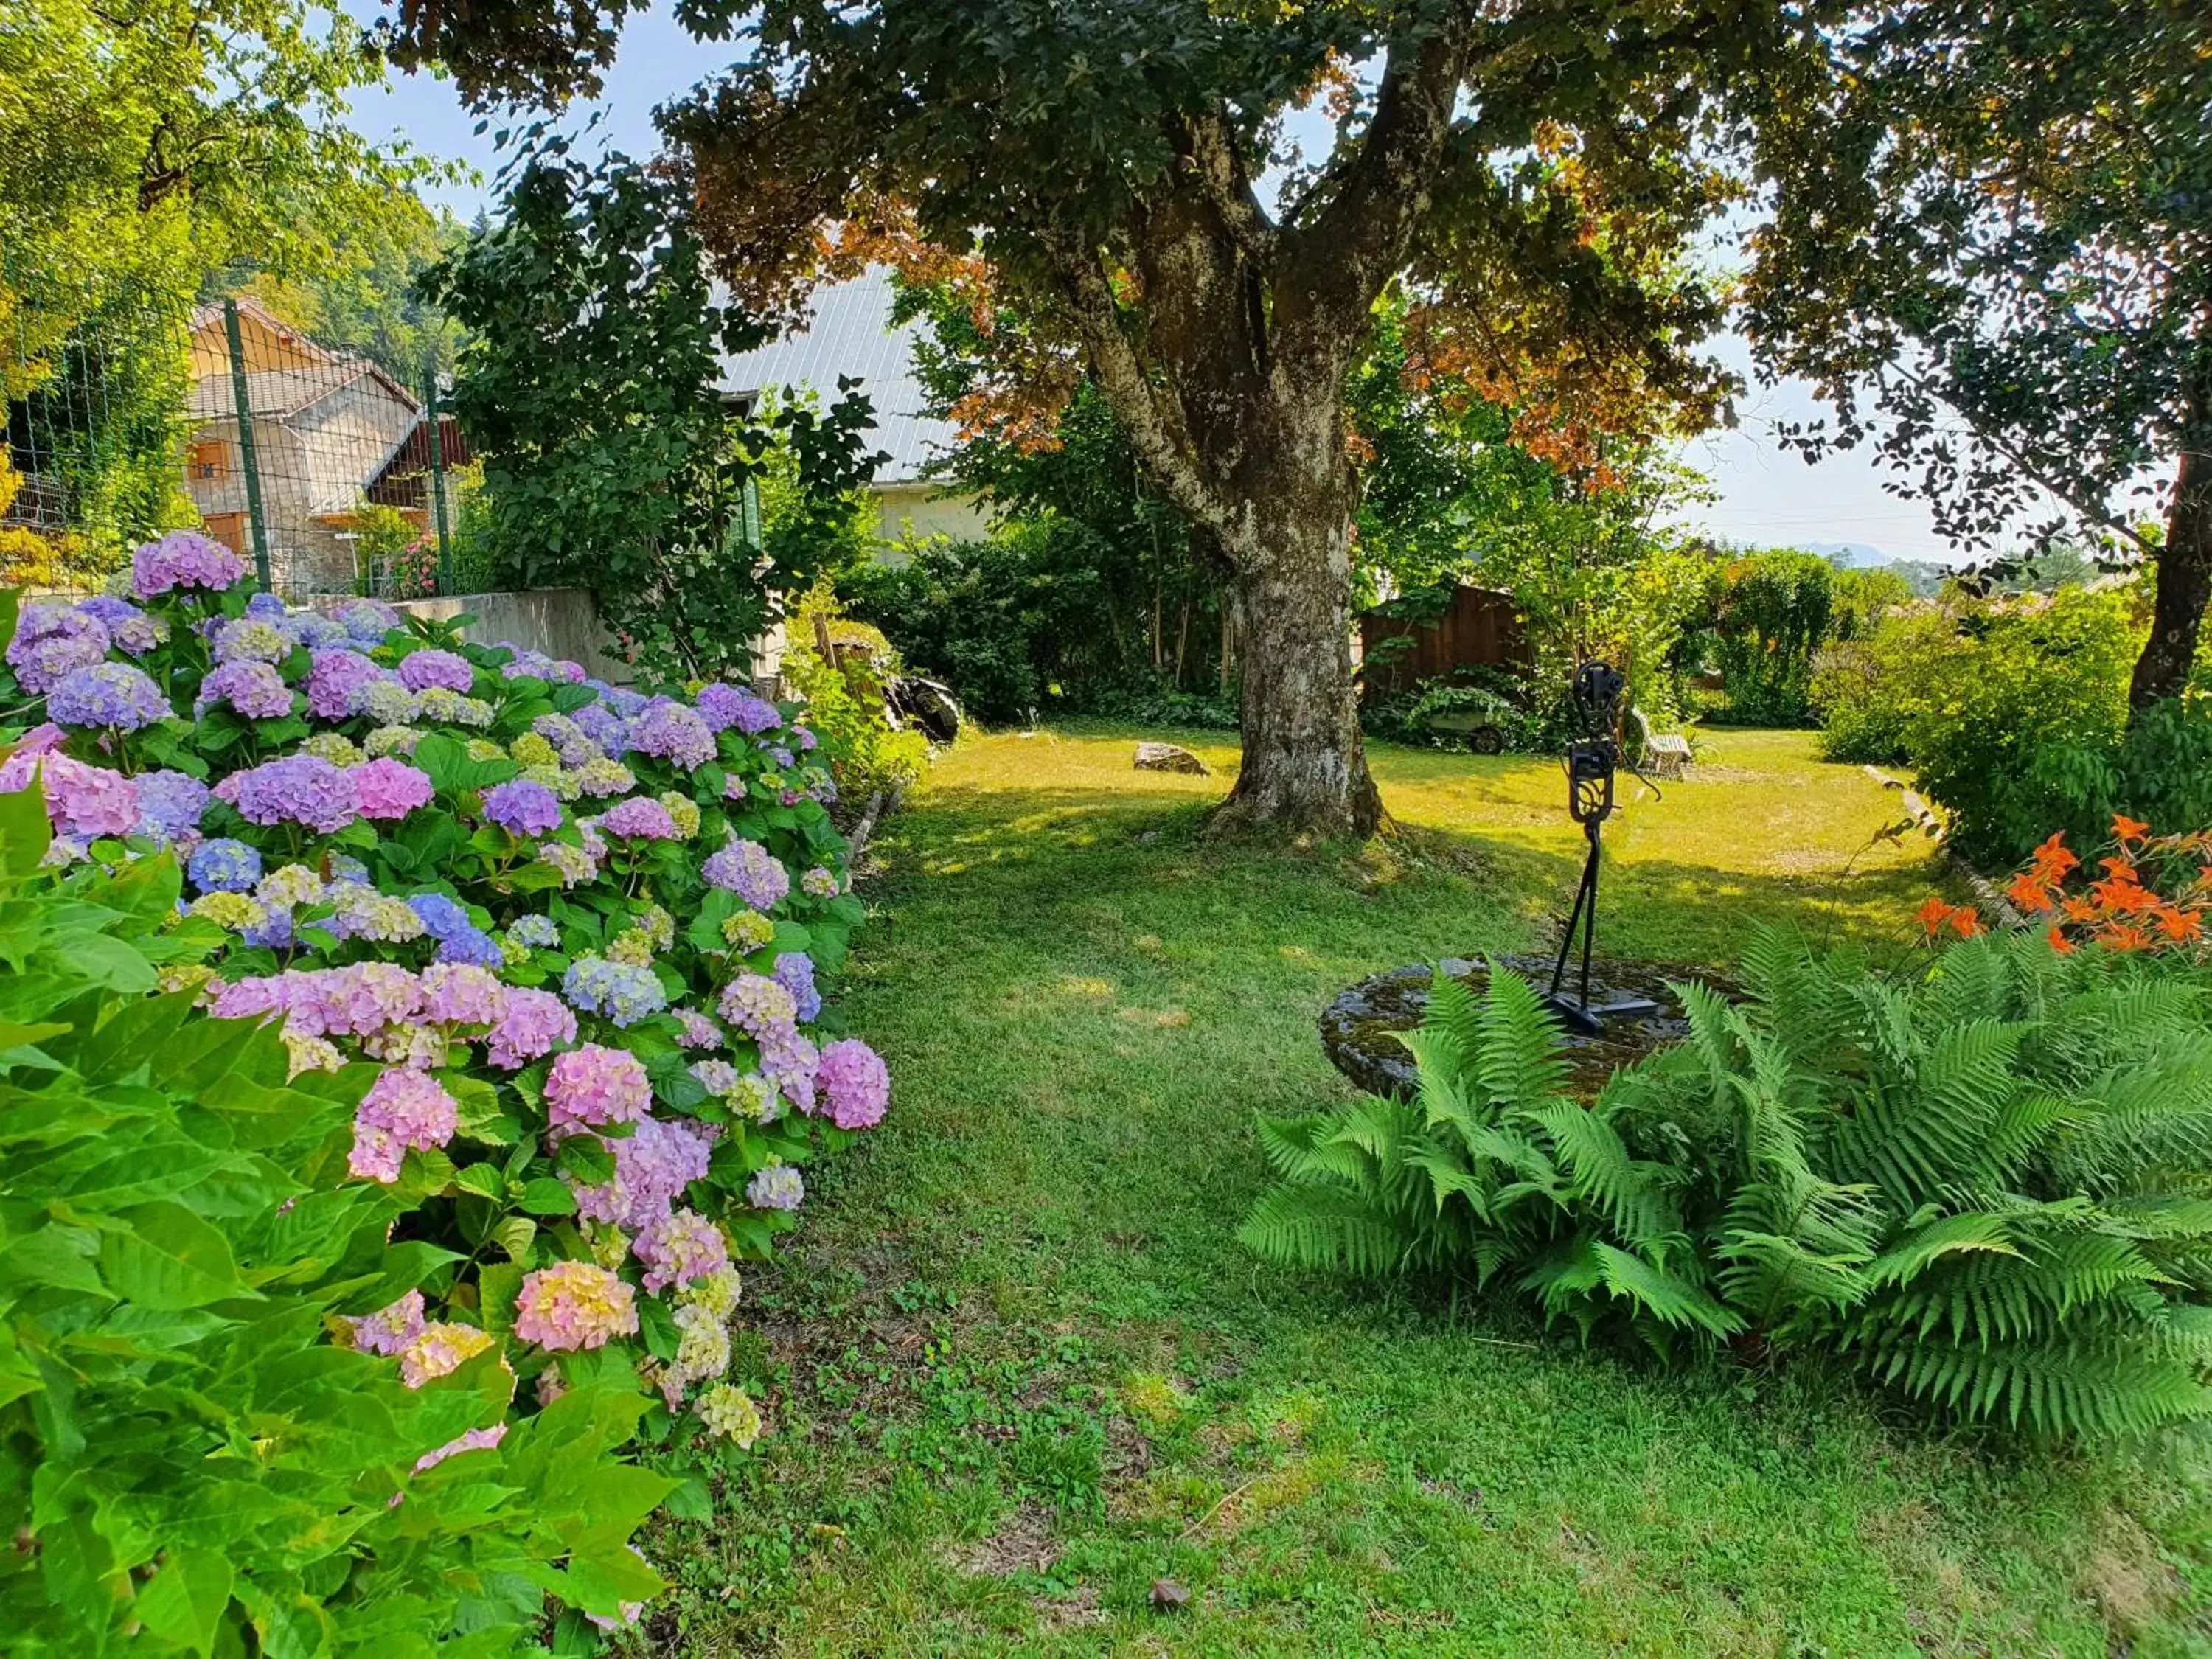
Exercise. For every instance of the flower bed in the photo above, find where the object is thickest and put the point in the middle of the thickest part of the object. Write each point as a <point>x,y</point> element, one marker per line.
<point>566,935</point>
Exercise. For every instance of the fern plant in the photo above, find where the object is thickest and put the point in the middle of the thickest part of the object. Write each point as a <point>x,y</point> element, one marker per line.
<point>1985,1186</point>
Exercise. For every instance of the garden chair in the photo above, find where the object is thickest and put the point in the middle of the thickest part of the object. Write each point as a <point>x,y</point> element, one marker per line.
<point>1665,753</point>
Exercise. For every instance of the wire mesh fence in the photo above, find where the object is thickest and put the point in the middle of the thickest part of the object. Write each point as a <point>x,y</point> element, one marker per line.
<point>129,413</point>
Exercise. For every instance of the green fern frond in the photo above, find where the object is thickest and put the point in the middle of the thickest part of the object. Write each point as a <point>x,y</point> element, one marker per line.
<point>1323,1227</point>
<point>1672,1300</point>
<point>2054,1390</point>
<point>1603,1171</point>
<point>1518,1057</point>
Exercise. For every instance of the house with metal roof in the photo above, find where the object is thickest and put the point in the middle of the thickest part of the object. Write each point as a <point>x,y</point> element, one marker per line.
<point>851,335</point>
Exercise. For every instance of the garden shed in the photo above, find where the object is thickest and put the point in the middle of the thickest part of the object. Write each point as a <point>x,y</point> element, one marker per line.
<point>1478,628</point>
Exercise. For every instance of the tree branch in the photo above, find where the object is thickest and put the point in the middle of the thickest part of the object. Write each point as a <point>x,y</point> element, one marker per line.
<point>1151,414</point>
<point>1220,171</point>
<point>1336,262</point>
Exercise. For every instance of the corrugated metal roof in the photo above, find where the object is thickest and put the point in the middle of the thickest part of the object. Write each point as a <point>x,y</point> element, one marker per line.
<point>851,334</point>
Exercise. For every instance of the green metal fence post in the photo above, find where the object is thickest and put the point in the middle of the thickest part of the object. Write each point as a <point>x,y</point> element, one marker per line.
<point>248,461</point>
<point>437,478</point>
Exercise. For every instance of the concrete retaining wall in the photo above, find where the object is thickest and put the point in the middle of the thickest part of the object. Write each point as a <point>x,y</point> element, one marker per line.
<point>562,621</point>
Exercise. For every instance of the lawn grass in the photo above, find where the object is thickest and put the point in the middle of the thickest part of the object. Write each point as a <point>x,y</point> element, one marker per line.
<point>1018,1369</point>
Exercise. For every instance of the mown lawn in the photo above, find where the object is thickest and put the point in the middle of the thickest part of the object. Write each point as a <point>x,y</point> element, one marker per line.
<point>1019,1370</point>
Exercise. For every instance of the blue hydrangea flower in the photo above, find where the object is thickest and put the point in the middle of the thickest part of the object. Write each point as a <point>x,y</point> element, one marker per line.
<point>442,917</point>
<point>534,933</point>
<point>614,990</point>
<point>107,694</point>
<point>795,971</point>
<point>266,607</point>
<point>224,866</point>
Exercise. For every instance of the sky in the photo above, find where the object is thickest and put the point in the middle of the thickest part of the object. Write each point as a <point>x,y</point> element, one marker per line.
<point>1763,495</point>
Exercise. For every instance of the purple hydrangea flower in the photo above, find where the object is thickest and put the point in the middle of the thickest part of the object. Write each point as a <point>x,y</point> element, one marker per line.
<point>367,620</point>
<point>421,670</point>
<point>603,726</point>
<point>51,643</point>
<point>527,664</point>
<point>184,559</point>
<point>266,607</point>
<point>335,684</point>
<point>751,872</point>
<point>795,971</point>
<point>522,808</point>
<point>298,789</point>
<point>224,866</point>
<point>625,702</point>
<point>672,733</point>
<point>725,706</point>
<point>128,628</point>
<point>170,804</point>
<point>254,689</point>
<point>442,915</point>
<point>108,694</point>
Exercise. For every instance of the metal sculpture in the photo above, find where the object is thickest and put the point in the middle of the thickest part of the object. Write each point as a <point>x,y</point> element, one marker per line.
<point>1592,758</point>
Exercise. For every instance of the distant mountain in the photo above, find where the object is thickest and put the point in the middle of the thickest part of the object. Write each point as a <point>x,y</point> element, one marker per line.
<point>1863,556</point>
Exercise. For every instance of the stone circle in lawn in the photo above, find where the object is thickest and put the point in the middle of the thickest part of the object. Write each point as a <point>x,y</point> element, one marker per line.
<point>1358,1028</point>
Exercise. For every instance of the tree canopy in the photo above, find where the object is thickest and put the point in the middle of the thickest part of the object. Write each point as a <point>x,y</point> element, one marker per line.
<point>1995,217</point>
<point>1531,170</point>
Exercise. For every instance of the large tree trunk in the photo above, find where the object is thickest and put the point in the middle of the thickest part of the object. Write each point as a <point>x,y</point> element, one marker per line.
<point>1304,768</point>
<point>2185,563</point>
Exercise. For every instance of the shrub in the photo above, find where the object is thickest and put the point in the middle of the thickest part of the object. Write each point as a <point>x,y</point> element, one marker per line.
<point>1771,612</point>
<point>1868,690</point>
<point>2025,711</point>
<point>185,1458</point>
<point>582,927</point>
<point>1977,1183</point>
<point>845,699</point>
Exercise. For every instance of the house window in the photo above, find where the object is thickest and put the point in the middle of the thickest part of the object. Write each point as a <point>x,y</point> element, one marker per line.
<point>230,529</point>
<point>209,459</point>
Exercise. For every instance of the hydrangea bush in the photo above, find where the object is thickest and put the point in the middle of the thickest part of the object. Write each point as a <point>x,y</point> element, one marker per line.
<point>188,1462</point>
<point>577,926</point>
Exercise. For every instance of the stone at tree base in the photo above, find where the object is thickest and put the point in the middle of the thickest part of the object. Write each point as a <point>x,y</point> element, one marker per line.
<point>1166,757</point>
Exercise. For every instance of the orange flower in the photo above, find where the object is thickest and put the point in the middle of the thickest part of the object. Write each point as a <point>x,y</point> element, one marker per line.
<point>2029,892</point>
<point>1933,914</point>
<point>2126,828</point>
<point>2060,943</point>
<point>2079,909</point>
<point>2053,860</point>
<point>1964,922</point>
<point>2121,897</point>
<point>2119,869</point>
<point>2180,926</point>
<point>2121,936</point>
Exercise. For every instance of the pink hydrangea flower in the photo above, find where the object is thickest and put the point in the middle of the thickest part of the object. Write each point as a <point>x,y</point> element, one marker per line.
<point>574,1304</point>
<point>594,1085</point>
<point>641,818</point>
<point>458,993</point>
<point>653,1167</point>
<point>535,1023</point>
<point>403,1110</point>
<point>88,801</point>
<point>678,1248</point>
<point>474,1440</point>
<point>335,684</point>
<point>389,1330</point>
<point>854,1083</point>
<point>390,788</point>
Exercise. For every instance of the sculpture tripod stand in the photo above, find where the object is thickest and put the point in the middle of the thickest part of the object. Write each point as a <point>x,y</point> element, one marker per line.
<point>1592,759</point>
